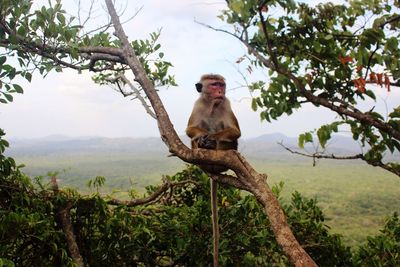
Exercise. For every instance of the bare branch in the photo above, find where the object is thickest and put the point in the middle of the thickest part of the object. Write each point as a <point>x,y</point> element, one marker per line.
<point>321,155</point>
<point>159,193</point>
<point>139,96</point>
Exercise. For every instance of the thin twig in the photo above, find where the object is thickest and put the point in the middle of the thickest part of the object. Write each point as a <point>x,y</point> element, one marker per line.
<point>321,155</point>
<point>155,196</point>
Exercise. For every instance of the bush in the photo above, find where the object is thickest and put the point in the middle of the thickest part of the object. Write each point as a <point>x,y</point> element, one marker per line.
<point>174,230</point>
<point>384,249</point>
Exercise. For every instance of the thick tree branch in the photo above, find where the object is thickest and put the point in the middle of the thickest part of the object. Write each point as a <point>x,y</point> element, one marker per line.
<point>64,219</point>
<point>246,174</point>
<point>385,166</point>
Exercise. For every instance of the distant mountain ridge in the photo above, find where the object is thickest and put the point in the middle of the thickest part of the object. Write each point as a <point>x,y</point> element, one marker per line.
<point>258,146</point>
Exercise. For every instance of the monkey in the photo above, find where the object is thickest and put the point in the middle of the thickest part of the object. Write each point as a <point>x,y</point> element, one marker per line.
<point>213,125</point>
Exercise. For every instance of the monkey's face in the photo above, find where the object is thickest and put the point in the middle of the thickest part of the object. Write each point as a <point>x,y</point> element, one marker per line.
<point>215,89</point>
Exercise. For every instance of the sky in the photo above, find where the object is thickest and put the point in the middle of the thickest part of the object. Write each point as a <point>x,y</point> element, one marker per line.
<point>71,104</point>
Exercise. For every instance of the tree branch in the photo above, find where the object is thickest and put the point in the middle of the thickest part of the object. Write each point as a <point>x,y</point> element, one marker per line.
<point>232,159</point>
<point>321,155</point>
<point>155,196</point>
<point>139,96</point>
<point>392,19</point>
<point>64,219</point>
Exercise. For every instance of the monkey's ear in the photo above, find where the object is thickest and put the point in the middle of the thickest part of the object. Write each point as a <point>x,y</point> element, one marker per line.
<point>199,86</point>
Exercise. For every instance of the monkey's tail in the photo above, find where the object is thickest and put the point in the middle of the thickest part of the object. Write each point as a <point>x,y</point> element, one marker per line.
<point>214,214</point>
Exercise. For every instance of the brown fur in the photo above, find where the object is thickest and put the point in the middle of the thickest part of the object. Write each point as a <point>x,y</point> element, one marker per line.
<point>213,117</point>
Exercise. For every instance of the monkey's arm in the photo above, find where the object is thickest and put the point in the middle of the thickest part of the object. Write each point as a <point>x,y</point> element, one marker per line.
<point>227,134</point>
<point>200,138</point>
<point>230,133</point>
<point>195,132</point>
<point>194,129</point>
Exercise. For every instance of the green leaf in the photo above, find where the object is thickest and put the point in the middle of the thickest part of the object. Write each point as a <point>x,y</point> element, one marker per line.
<point>8,97</point>
<point>3,59</point>
<point>395,113</point>
<point>392,44</point>
<point>61,18</point>
<point>28,76</point>
<point>301,140</point>
<point>236,6</point>
<point>22,31</point>
<point>254,104</point>
<point>18,88</point>
<point>308,138</point>
<point>323,136</point>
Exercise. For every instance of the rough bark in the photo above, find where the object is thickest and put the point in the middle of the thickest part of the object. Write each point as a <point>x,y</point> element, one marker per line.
<point>63,218</point>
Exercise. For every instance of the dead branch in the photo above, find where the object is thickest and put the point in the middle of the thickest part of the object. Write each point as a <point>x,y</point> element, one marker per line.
<point>139,96</point>
<point>321,155</point>
<point>245,173</point>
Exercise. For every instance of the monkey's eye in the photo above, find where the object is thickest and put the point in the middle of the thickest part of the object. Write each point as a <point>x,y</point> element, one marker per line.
<point>220,84</point>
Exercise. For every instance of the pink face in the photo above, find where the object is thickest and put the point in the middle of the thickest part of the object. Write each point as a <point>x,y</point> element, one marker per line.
<point>216,89</point>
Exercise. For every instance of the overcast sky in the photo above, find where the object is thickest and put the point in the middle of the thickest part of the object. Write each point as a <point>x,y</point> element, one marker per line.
<point>72,105</point>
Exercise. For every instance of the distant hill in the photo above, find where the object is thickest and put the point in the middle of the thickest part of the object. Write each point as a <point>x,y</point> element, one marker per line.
<point>263,145</point>
<point>68,145</point>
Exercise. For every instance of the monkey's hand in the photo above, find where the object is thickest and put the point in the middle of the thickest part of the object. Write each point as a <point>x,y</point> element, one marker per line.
<point>205,141</point>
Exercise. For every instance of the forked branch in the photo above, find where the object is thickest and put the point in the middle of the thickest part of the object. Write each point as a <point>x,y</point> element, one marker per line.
<point>246,176</point>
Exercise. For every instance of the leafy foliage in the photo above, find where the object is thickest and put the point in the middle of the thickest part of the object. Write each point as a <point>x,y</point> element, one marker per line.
<point>325,55</point>
<point>175,230</point>
<point>382,250</point>
<point>49,39</point>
